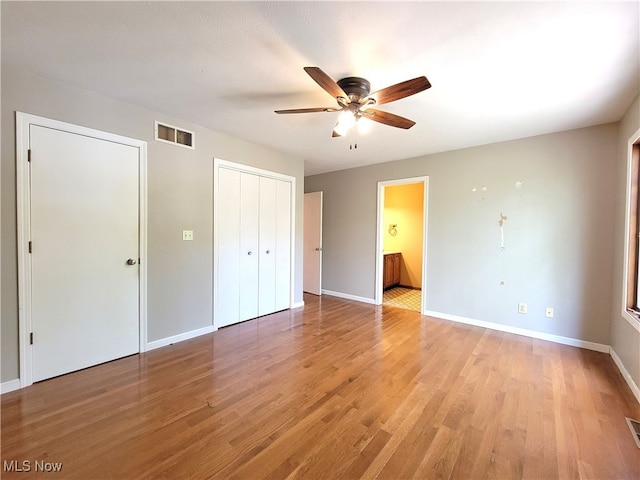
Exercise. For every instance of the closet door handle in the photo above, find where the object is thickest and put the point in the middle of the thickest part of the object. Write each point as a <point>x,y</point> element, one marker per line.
<point>268,252</point>
<point>249,252</point>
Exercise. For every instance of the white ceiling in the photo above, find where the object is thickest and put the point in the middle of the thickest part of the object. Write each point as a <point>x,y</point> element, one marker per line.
<point>499,71</point>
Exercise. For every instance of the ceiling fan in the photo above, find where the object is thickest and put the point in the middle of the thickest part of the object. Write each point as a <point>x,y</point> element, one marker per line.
<point>355,100</point>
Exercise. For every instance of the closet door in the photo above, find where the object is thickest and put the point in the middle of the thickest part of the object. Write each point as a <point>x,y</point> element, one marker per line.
<point>283,246</point>
<point>249,246</point>
<point>228,303</point>
<point>268,244</point>
<point>254,225</point>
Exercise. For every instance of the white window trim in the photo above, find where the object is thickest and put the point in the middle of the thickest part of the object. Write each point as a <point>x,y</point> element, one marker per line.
<point>632,319</point>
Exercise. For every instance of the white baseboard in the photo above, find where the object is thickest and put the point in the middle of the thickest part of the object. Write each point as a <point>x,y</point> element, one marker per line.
<point>10,386</point>
<point>349,296</point>
<point>625,373</point>
<point>298,304</point>
<point>598,347</point>
<point>163,342</point>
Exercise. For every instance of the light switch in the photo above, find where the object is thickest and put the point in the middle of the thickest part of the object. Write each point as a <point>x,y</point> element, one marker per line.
<point>187,235</point>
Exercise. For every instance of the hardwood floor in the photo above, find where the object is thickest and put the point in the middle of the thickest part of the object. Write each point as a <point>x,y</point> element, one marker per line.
<point>338,389</point>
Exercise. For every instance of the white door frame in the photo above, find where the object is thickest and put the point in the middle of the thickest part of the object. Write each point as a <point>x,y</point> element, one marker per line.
<point>217,164</point>
<point>380,236</point>
<point>23,203</point>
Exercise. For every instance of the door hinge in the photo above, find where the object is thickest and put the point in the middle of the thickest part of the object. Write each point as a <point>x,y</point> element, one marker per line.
<point>29,155</point>
<point>31,338</point>
<point>30,247</point>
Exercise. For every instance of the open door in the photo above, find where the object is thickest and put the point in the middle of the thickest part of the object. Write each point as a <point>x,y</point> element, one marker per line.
<point>312,277</point>
<point>410,245</point>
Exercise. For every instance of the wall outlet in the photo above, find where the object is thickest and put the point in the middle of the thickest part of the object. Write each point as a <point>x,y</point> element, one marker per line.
<point>187,234</point>
<point>522,308</point>
<point>548,312</point>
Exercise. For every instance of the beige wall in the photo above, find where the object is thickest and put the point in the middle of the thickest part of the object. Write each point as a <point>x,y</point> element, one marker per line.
<point>404,206</point>
<point>558,243</point>
<point>625,339</point>
<point>180,196</point>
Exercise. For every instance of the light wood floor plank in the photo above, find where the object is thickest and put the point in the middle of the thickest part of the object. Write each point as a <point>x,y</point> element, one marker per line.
<point>334,390</point>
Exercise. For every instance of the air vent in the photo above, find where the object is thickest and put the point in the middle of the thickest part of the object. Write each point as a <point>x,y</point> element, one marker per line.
<point>634,425</point>
<point>177,136</point>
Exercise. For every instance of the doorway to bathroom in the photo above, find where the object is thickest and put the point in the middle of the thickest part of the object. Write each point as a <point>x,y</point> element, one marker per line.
<point>402,243</point>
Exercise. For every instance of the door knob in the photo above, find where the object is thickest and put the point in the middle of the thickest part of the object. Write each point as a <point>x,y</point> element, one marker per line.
<point>131,261</point>
<point>249,252</point>
<point>318,249</point>
<point>268,252</point>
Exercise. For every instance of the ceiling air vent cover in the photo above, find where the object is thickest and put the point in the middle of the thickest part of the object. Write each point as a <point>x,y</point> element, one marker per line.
<point>170,134</point>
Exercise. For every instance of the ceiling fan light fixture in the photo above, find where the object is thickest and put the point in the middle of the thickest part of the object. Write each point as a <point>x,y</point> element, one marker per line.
<point>346,121</point>
<point>363,124</point>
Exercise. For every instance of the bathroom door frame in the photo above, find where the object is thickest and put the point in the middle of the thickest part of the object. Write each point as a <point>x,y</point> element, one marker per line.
<point>380,236</point>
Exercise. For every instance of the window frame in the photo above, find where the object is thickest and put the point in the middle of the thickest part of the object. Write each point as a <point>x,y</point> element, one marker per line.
<point>631,280</point>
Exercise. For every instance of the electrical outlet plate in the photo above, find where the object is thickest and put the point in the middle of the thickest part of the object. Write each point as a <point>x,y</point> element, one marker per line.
<point>548,312</point>
<point>187,235</point>
<point>522,308</point>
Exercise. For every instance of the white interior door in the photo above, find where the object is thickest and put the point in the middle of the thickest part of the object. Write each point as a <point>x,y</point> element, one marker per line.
<point>312,277</point>
<point>249,253</point>
<point>84,200</point>
<point>228,308</point>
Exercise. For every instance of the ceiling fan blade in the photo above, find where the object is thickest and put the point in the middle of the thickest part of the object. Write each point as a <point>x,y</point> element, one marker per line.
<point>309,110</point>
<point>335,134</point>
<point>388,118</point>
<point>326,82</point>
<point>400,90</point>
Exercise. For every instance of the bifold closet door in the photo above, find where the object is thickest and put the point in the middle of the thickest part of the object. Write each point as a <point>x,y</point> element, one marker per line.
<point>249,245</point>
<point>267,264</point>
<point>283,246</point>
<point>228,308</point>
<point>274,268</point>
<point>254,246</point>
